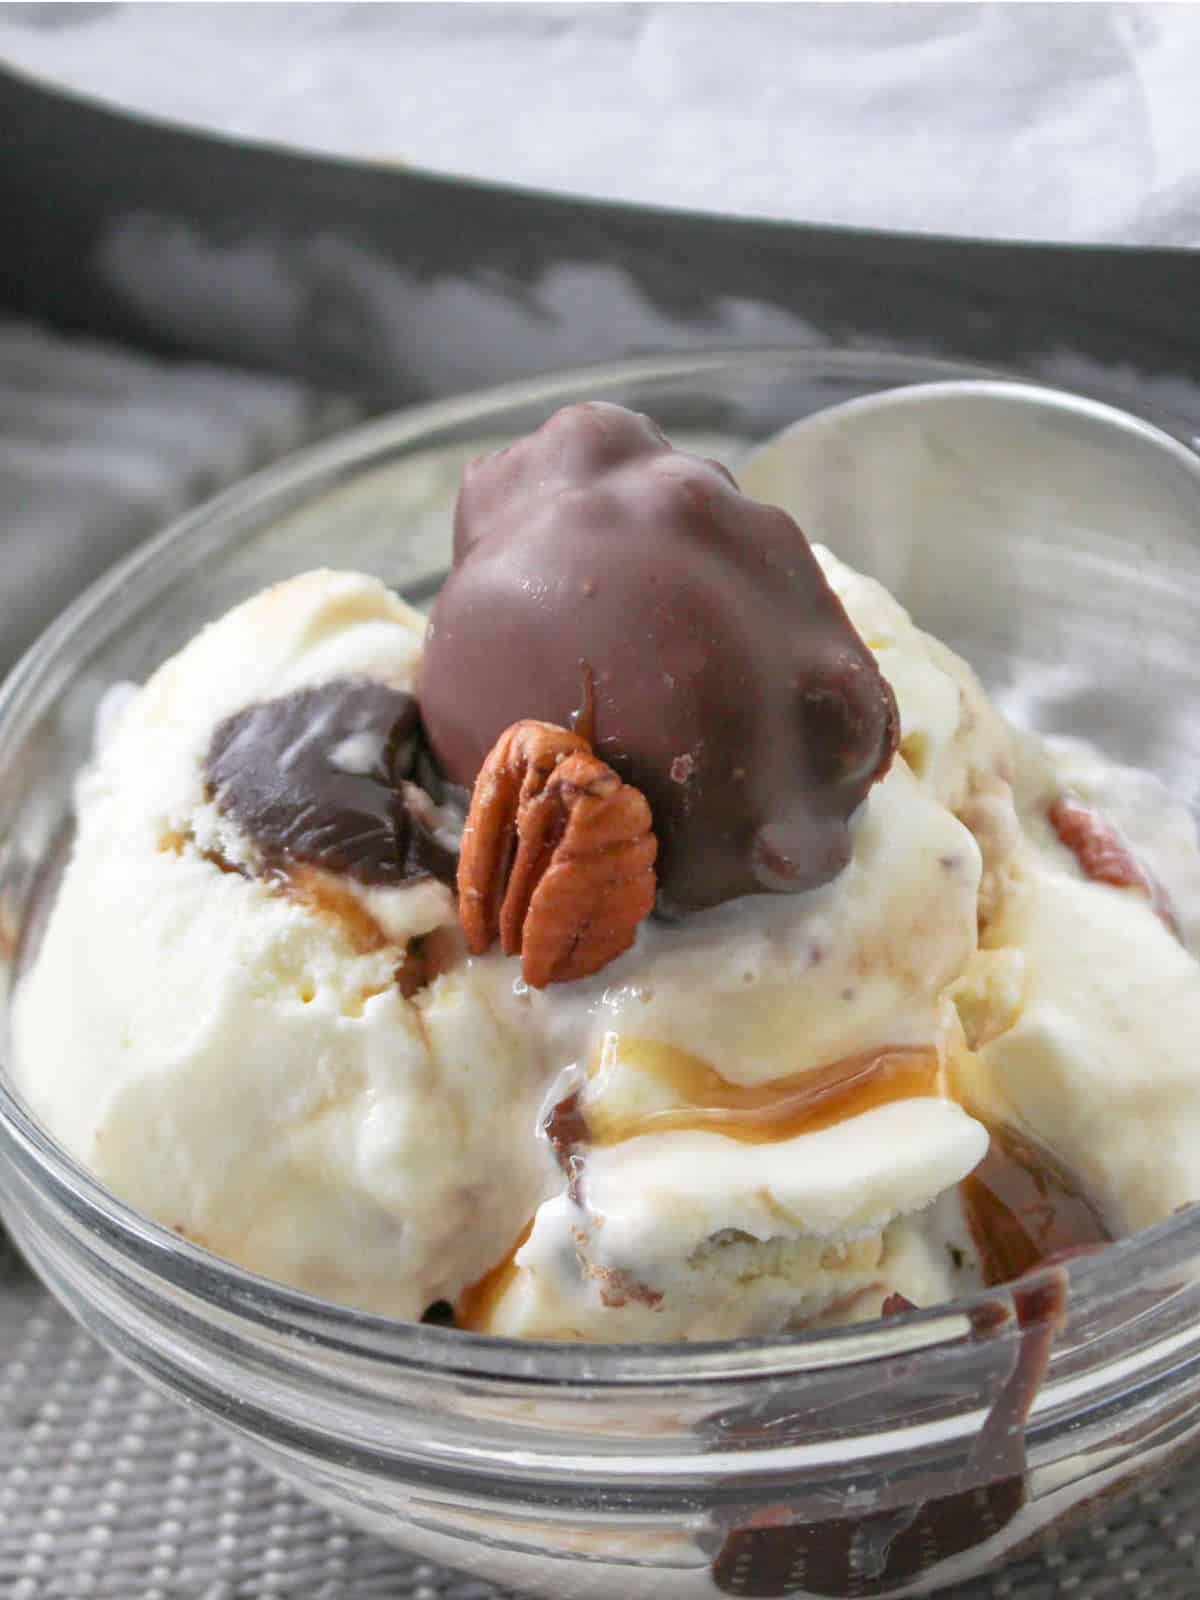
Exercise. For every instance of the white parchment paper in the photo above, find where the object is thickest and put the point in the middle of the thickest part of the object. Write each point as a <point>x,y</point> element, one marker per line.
<point>1046,121</point>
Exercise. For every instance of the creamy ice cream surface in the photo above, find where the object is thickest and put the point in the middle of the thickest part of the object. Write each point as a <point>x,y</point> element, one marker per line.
<point>255,1017</point>
<point>237,1057</point>
<point>1085,1037</point>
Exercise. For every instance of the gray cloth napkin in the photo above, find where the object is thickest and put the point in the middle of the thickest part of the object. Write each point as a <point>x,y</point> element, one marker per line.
<point>101,447</point>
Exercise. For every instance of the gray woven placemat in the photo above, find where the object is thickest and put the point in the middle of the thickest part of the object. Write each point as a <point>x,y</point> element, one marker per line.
<point>106,1489</point>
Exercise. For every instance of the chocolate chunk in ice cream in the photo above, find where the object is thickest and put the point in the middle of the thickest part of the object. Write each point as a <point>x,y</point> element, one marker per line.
<point>324,776</point>
<point>599,571</point>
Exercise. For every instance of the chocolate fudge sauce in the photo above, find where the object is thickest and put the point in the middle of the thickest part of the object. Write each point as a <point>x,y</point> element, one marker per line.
<point>323,777</point>
<point>1023,1208</point>
<point>1024,1211</point>
<point>566,1128</point>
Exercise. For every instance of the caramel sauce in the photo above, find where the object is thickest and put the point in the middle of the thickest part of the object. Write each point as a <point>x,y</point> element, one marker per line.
<point>321,892</point>
<point>316,890</point>
<point>767,1113</point>
<point>478,1301</point>
<point>426,957</point>
<point>1023,1208</point>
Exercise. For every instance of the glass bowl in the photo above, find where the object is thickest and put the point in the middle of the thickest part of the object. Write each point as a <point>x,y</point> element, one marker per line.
<point>896,1457</point>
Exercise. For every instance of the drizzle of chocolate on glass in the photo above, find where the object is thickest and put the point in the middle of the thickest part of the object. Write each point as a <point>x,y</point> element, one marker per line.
<point>1023,1209</point>
<point>325,777</point>
<point>1024,1212</point>
<point>771,1553</point>
<point>729,685</point>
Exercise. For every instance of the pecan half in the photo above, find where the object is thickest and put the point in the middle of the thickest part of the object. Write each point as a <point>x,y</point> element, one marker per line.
<point>1104,856</point>
<point>557,856</point>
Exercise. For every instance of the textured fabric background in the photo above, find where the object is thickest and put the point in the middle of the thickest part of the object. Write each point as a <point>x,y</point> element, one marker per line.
<point>106,1490</point>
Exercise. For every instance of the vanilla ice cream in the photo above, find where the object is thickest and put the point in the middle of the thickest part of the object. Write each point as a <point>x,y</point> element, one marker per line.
<point>258,1022</point>
<point>239,1060</point>
<point>1086,1035</point>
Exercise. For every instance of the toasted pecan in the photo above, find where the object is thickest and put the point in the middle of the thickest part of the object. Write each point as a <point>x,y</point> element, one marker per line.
<point>557,856</point>
<point>1104,856</point>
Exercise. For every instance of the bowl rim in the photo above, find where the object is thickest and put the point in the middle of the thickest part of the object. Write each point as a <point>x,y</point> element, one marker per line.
<point>342,1330</point>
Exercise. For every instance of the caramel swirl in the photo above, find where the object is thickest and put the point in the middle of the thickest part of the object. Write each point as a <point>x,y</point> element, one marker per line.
<point>766,1113</point>
<point>477,1304</point>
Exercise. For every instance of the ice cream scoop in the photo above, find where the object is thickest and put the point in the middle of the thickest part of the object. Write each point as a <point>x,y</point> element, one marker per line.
<point>249,1046</point>
<point>605,581</point>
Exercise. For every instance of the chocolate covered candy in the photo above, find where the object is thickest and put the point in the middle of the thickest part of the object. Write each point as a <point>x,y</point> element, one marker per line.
<point>605,581</point>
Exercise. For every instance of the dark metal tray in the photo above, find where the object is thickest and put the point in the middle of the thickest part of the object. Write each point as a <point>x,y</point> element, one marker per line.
<point>398,285</point>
